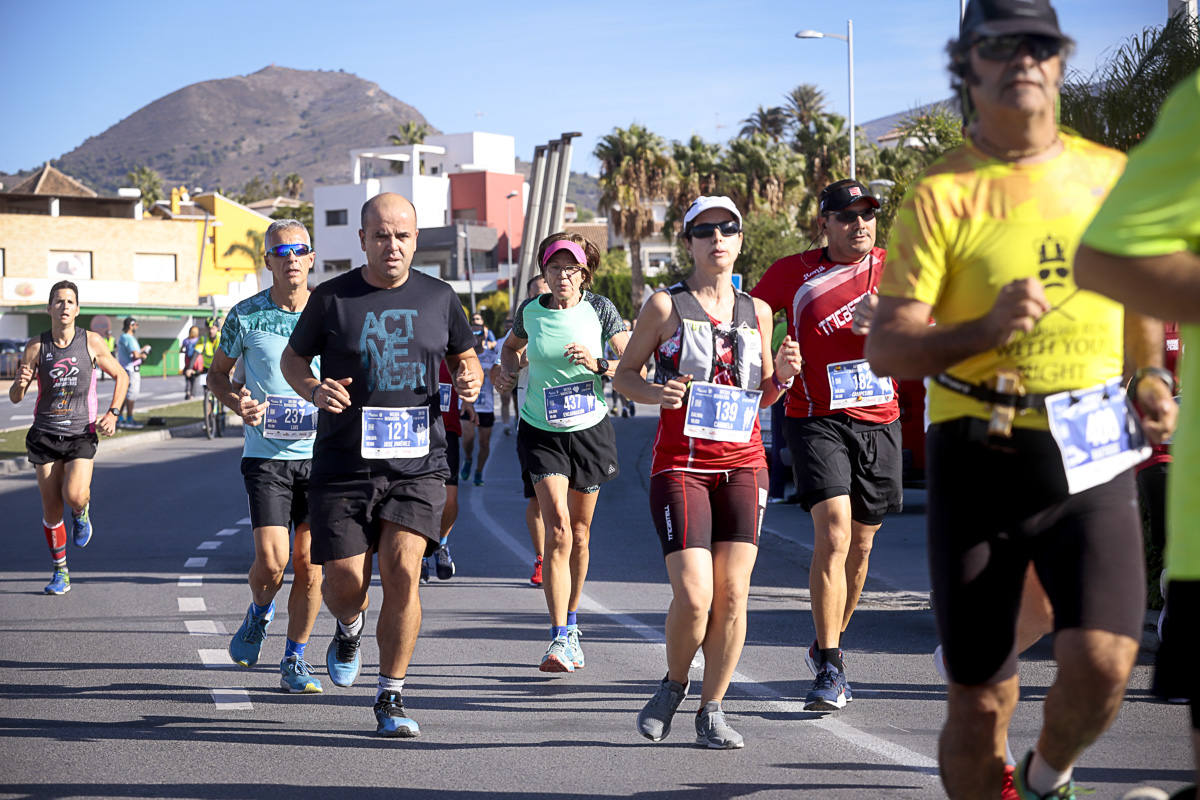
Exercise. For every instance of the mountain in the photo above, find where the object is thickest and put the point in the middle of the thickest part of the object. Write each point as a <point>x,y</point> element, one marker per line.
<point>219,134</point>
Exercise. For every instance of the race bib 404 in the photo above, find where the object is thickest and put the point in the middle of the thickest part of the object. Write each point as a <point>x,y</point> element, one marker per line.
<point>395,432</point>
<point>721,413</point>
<point>1097,432</point>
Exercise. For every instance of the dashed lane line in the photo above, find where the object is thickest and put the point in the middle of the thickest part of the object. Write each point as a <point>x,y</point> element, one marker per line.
<point>229,531</point>
<point>204,627</point>
<point>232,699</point>
<point>209,545</point>
<point>215,658</point>
<point>191,604</point>
<point>195,562</point>
<point>883,748</point>
<point>190,580</point>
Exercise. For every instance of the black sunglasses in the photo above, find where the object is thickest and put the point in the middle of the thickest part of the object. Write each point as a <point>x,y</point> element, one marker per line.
<point>1004,48</point>
<point>705,230</point>
<point>848,215</point>
<point>285,250</point>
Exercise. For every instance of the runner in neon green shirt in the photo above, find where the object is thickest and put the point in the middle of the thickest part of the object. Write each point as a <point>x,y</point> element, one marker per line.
<point>1143,249</point>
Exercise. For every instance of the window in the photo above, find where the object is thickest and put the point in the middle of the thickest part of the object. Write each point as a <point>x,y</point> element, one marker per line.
<point>337,266</point>
<point>69,265</point>
<point>154,267</point>
<point>335,217</point>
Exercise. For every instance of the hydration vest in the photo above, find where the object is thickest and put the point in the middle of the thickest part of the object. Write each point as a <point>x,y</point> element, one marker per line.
<point>697,342</point>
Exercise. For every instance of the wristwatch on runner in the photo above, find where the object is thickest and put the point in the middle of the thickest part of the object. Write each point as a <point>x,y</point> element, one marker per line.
<point>601,366</point>
<point>116,412</point>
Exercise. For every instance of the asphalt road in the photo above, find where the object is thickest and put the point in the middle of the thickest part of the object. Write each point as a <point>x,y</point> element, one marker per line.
<point>122,688</point>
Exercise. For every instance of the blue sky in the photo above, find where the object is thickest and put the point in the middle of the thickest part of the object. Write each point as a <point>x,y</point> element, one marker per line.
<point>532,70</point>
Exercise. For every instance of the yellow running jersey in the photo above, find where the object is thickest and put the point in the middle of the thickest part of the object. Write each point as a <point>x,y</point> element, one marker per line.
<point>973,224</point>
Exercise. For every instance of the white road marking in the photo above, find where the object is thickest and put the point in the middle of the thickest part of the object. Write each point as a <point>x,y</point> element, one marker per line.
<point>244,521</point>
<point>881,747</point>
<point>227,531</point>
<point>21,416</point>
<point>203,627</point>
<point>195,562</point>
<point>215,658</point>
<point>209,545</point>
<point>232,699</point>
<point>190,604</point>
<point>190,580</point>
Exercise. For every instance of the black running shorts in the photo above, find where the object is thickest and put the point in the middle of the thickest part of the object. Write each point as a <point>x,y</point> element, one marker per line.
<point>993,508</point>
<point>44,447</point>
<point>346,513</point>
<point>277,489</point>
<point>453,453</point>
<point>838,455</point>
<point>696,509</point>
<point>1175,673</point>
<point>587,458</point>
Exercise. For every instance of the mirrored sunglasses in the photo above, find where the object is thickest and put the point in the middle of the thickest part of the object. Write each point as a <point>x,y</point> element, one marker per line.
<point>285,250</point>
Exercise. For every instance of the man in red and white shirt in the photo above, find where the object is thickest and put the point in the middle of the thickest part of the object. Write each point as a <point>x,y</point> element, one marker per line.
<point>841,422</point>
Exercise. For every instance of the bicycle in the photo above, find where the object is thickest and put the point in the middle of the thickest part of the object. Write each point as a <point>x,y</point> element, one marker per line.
<point>214,415</point>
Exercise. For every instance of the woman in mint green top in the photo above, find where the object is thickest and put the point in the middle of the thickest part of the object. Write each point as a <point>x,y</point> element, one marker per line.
<point>565,439</point>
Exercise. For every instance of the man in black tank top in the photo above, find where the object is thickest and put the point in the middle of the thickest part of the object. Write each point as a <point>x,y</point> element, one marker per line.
<point>62,440</point>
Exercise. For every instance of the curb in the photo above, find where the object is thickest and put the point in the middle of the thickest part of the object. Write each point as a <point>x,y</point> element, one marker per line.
<point>15,466</point>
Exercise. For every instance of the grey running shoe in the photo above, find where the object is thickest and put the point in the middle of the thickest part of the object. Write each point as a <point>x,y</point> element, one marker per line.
<point>654,721</point>
<point>713,732</point>
<point>573,634</point>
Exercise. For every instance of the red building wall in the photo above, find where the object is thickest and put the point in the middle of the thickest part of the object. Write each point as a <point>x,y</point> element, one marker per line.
<point>487,194</point>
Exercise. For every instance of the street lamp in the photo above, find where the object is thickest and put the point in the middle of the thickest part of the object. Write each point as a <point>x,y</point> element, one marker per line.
<point>508,236</point>
<point>462,234</point>
<point>849,40</point>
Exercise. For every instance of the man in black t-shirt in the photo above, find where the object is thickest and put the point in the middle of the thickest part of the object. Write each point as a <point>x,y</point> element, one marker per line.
<point>379,459</point>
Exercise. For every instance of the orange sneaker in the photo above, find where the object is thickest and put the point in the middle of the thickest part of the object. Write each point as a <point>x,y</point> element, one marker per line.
<point>536,578</point>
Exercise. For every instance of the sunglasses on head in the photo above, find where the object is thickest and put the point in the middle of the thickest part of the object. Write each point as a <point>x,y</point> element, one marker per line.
<point>705,230</point>
<point>285,250</point>
<point>848,215</point>
<point>1004,48</point>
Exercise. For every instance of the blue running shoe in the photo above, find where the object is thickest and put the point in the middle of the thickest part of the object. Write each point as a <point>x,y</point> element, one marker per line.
<point>59,584</point>
<point>389,713</point>
<point>246,644</point>
<point>828,692</point>
<point>465,472</point>
<point>342,658</point>
<point>424,570</point>
<point>573,634</point>
<point>479,479</point>
<point>444,563</point>
<point>297,676</point>
<point>83,526</point>
<point>558,656</point>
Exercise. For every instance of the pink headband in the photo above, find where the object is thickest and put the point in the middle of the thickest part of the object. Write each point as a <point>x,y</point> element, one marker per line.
<point>569,246</point>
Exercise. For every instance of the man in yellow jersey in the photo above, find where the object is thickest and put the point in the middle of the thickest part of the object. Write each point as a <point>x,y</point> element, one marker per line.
<point>1143,249</point>
<point>1027,391</point>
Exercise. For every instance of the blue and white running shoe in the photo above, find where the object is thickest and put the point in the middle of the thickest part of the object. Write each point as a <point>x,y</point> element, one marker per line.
<point>828,692</point>
<point>82,524</point>
<point>59,584</point>
<point>342,658</point>
<point>391,719</point>
<point>296,676</point>
<point>246,644</point>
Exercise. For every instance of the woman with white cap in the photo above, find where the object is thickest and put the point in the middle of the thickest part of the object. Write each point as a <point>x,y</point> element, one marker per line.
<point>708,477</point>
<point>565,441</point>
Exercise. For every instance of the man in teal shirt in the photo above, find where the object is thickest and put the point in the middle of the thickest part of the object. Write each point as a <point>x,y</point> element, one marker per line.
<point>277,455</point>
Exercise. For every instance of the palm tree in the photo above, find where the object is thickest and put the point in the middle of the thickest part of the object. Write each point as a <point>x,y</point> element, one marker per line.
<point>254,250</point>
<point>698,165</point>
<point>771,122</point>
<point>409,133</point>
<point>1117,105</point>
<point>759,174</point>
<point>148,182</point>
<point>803,105</point>
<point>293,184</point>
<point>635,171</point>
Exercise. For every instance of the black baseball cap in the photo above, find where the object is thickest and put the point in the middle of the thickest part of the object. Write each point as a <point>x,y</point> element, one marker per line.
<point>129,321</point>
<point>837,196</point>
<point>984,18</point>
